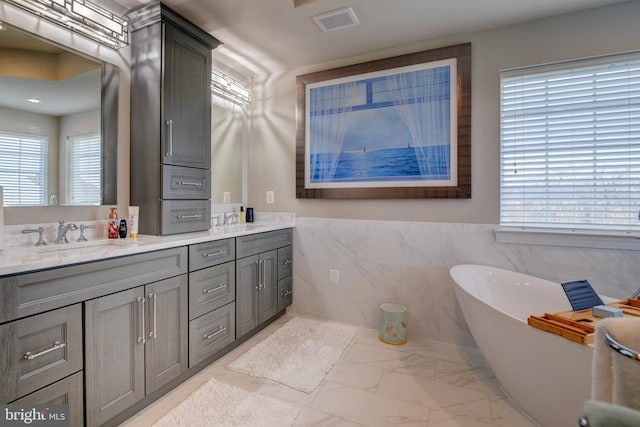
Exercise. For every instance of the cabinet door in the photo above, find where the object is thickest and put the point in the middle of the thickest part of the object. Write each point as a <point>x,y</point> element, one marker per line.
<point>186,113</point>
<point>167,331</point>
<point>246,295</point>
<point>268,286</point>
<point>114,354</point>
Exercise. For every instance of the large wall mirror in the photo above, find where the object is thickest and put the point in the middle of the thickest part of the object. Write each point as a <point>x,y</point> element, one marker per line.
<point>58,124</point>
<point>229,137</point>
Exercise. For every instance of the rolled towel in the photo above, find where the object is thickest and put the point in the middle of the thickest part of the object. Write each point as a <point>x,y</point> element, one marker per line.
<point>601,414</point>
<point>616,378</point>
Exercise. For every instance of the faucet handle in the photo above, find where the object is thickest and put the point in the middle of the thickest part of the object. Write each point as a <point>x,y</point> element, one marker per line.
<point>40,231</point>
<point>82,237</point>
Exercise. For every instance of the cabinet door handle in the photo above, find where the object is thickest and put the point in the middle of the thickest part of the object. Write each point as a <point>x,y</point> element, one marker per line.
<point>220,330</point>
<point>56,346</point>
<point>217,288</point>
<point>285,293</point>
<point>210,254</point>
<point>189,216</point>
<point>189,184</point>
<point>141,301</point>
<point>152,332</point>
<point>170,139</point>
<point>261,286</point>
<point>286,262</point>
<point>257,275</point>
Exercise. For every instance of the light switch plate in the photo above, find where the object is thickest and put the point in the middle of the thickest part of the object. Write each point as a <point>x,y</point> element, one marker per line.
<point>271,197</point>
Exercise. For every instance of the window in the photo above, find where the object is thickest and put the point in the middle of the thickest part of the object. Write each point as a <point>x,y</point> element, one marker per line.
<point>23,169</point>
<point>570,145</point>
<point>83,170</point>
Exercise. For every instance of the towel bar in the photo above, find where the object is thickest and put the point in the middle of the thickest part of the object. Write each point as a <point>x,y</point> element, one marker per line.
<point>622,349</point>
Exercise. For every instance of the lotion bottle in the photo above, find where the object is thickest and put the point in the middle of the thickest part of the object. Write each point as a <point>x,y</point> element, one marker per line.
<point>112,231</point>
<point>243,215</point>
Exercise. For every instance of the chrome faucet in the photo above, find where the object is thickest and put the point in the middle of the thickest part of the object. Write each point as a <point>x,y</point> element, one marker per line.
<point>61,237</point>
<point>228,219</point>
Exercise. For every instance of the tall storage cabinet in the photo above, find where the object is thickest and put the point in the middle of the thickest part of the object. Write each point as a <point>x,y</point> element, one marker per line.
<point>170,121</point>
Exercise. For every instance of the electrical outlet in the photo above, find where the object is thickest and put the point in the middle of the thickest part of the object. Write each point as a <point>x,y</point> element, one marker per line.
<point>271,197</point>
<point>334,277</point>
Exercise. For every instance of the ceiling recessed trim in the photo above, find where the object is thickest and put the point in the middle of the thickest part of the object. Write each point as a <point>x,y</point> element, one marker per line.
<point>336,19</point>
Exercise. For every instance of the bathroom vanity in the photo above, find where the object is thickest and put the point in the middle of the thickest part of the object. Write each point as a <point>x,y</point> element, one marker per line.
<point>107,330</point>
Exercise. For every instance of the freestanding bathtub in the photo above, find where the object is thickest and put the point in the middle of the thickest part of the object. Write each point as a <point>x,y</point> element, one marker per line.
<point>547,376</point>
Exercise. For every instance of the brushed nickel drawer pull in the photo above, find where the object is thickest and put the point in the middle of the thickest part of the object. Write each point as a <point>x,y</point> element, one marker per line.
<point>217,288</point>
<point>190,184</point>
<point>189,216</point>
<point>220,330</point>
<point>285,293</point>
<point>286,262</point>
<point>56,346</point>
<point>210,254</point>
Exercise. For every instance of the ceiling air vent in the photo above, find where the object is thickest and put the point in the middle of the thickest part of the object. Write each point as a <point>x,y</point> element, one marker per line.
<point>336,19</point>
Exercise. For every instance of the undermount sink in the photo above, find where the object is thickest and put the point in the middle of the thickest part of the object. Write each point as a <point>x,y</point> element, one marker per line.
<point>236,228</point>
<point>91,244</point>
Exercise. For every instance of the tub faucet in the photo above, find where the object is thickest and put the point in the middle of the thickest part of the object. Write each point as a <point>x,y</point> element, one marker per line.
<point>61,237</point>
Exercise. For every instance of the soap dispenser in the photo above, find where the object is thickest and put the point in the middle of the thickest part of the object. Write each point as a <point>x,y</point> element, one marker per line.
<point>112,231</point>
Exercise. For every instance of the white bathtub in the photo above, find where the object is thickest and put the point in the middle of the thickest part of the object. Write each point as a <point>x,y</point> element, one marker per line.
<point>547,376</point>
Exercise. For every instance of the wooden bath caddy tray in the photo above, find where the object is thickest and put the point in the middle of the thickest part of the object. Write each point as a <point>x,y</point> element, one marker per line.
<point>580,326</point>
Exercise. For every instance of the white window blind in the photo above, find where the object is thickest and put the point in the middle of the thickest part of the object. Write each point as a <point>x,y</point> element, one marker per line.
<point>570,146</point>
<point>83,184</point>
<point>23,169</point>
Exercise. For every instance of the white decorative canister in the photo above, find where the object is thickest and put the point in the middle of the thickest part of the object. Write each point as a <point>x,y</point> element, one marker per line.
<point>393,323</point>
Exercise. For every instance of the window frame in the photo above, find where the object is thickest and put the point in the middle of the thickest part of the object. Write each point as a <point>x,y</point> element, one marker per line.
<point>559,235</point>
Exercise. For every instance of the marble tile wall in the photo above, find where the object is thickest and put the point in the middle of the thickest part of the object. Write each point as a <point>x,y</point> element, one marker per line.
<point>408,263</point>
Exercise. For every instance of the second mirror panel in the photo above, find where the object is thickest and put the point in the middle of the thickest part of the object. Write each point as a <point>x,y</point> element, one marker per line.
<point>227,135</point>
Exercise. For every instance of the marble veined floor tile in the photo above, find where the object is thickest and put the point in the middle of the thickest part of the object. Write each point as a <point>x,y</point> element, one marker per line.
<point>443,419</point>
<point>311,418</point>
<point>367,408</point>
<point>505,415</point>
<point>437,395</point>
<point>423,383</point>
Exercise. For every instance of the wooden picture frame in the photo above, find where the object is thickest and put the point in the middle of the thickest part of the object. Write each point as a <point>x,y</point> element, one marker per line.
<point>355,129</point>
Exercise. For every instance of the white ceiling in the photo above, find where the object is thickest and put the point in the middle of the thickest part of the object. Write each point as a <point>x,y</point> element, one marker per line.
<point>274,33</point>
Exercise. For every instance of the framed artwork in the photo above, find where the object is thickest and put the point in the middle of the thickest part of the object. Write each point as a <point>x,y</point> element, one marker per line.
<point>393,128</point>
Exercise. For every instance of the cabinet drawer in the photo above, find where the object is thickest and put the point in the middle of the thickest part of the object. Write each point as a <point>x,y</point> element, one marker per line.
<point>185,183</point>
<point>285,262</point>
<point>285,293</point>
<point>211,288</point>
<point>64,392</point>
<point>32,293</point>
<point>40,350</point>
<point>212,253</point>
<point>211,333</point>
<point>262,242</point>
<point>185,216</point>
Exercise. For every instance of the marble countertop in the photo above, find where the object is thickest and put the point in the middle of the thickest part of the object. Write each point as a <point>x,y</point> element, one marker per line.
<point>15,260</point>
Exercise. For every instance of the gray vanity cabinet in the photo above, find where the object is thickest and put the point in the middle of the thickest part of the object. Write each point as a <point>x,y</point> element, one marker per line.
<point>136,341</point>
<point>170,121</point>
<point>257,278</point>
<point>212,294</point>
<point>186,113</point>
<point>285,284</point>
<point>256,291</point>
